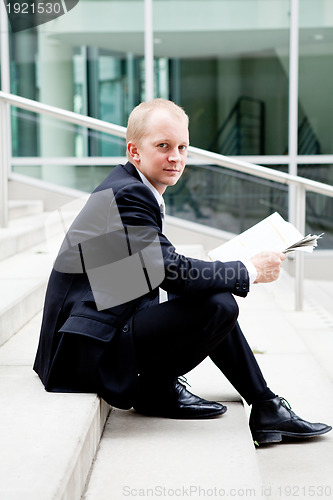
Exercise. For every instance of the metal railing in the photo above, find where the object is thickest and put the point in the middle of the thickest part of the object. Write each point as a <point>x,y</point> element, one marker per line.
<point>299,184</point>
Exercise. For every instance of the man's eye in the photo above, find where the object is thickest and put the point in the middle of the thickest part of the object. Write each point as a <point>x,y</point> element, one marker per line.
<point>162,145</point>
<point>182,148</point>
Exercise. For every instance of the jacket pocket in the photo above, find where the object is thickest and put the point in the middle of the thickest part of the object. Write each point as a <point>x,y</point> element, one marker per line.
<point>93,356</point>
<point>88,327</point>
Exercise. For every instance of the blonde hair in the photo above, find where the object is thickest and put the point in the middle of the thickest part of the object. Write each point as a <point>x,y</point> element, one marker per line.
<point>137,121</point>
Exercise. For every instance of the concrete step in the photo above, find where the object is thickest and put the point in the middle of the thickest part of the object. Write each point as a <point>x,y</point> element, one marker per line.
<point>24,208</point>
<point>23,279</point>
<point>22,234</point>
<point>48,441</point>
<point>152,457</point>
<point>25,232</point>
<point>27,249</point>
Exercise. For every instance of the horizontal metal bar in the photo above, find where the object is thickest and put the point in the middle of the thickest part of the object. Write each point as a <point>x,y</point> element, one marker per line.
<point>284,160</point>
<point>113,160</point>
<point>62,114</point>
<point>84,160</point>
<point>68,160</point>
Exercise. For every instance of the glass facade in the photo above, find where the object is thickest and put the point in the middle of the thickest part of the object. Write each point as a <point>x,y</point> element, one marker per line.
<point>232,71</point>
<point>225,61</point>
<point>315,74</point>
<point>229,71</point>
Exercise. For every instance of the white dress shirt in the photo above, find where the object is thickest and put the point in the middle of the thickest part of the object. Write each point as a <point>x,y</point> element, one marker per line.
<point>163,295</point>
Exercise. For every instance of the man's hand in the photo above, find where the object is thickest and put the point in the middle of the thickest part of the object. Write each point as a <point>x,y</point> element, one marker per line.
<point>268,266</point>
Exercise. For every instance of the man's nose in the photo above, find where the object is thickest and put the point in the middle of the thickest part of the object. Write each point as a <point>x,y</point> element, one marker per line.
<point>174,155</point>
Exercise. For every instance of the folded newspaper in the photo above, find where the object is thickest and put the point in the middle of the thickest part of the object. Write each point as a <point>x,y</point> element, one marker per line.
<point>272,233</point>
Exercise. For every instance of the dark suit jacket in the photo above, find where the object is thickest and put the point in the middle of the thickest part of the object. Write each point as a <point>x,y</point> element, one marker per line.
<point>83,348</point>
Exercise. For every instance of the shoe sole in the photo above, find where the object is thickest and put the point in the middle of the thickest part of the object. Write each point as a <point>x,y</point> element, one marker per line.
<point>179,416</point>
<point>266,437</point>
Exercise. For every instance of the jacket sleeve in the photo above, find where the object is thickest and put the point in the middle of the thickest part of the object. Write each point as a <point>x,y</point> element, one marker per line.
<point>137,206</point>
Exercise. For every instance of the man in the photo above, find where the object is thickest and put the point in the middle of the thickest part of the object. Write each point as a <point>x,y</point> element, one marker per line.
<point>129,335</point>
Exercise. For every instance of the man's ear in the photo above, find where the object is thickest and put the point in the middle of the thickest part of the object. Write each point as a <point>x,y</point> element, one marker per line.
<point>133,151</point>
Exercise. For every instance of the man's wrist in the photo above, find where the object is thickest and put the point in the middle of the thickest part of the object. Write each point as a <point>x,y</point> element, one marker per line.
<point>251,270</point>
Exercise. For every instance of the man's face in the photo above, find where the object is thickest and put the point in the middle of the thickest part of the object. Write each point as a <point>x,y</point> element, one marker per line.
<point>161,154</point>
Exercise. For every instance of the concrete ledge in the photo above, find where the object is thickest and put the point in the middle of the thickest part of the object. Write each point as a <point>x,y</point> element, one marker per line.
<point>27,301</point>
<point>23,279</point>
<point>155,457</point>
<point>22,234</point>
<point>24,275</point>
<point>49,440</point>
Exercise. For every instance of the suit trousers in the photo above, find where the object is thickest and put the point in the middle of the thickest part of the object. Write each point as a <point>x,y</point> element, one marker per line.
<point>173,337</point>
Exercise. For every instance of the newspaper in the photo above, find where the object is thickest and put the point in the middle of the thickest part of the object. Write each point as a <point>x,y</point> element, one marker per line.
<point>272,233</point>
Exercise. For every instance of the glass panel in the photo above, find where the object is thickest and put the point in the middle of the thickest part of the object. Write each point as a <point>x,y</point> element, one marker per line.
<point>319,208</point>
<point>224,199</point>
<point>58,130</point>
<point>319,218</point>
<point>229,72</point>
<point>320,173</point>
<point>82,177</point>
<point>63,135</point>
<point>90,61</point>
<point>23,81</point>
<point>316,77</point>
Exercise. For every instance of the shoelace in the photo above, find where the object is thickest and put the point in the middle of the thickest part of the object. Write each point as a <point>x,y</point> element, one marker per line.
<point>287,406</point>
<point>285,403</point>
<point>183,380</point>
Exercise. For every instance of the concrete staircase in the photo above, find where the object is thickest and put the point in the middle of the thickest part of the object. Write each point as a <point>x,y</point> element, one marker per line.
<point>48,442</point>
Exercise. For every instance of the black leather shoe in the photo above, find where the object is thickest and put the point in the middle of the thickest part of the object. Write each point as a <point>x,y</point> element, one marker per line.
<point>175,401</point>
<point>274,419</point>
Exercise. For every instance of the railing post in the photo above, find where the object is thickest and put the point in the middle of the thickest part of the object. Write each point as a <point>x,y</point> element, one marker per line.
<point>4,161</point>
<point>293,104</point>
<point>5,132</point>
<point>149,50</point>
<point>299,265</point>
